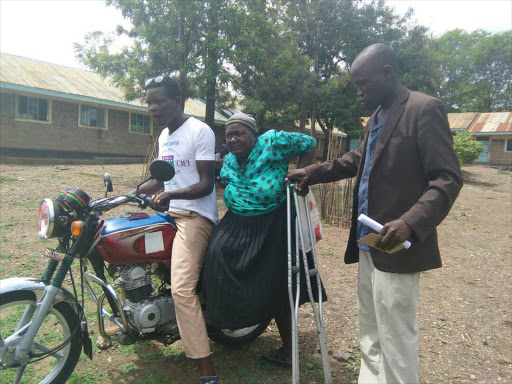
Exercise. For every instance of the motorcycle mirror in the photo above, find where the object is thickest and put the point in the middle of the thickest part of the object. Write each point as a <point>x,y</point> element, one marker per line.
<point>107,181</point>
<point>161,170</point>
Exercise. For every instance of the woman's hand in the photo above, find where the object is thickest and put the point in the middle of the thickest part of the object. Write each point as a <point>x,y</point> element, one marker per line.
<point>160,203</point>
<point>300,176</point>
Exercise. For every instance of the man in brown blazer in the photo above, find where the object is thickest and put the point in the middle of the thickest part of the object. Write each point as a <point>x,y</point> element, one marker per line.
<point>408,177</point>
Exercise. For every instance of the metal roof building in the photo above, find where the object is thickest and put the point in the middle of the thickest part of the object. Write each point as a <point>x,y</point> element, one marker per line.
<point>493,130</point>
<point>39,77</point>
<point>493,123</point>
<point>53,111</point>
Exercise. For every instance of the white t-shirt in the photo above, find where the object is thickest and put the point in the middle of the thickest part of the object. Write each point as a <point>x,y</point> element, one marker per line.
<point>193,141</point>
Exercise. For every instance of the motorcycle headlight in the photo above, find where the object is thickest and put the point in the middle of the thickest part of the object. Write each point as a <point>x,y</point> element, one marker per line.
<point>46,219</point>
<point>52,219</point>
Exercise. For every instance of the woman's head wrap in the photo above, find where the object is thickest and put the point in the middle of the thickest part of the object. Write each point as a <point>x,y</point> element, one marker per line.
<point>243,118</point>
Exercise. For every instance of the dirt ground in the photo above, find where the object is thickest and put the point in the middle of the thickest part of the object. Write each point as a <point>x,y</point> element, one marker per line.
<point>465,307</point>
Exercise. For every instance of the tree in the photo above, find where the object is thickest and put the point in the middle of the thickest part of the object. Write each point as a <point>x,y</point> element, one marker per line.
<point>268,69</point>
<point>476,71</point>
<point>183,38</point>
<point>331,33</point>
<point>466,148</point>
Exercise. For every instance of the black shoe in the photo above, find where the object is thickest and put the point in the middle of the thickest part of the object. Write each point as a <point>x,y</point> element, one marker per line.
<point>278,357</point>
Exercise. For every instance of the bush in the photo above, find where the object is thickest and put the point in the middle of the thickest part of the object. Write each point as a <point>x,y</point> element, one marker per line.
<point>466,148</point>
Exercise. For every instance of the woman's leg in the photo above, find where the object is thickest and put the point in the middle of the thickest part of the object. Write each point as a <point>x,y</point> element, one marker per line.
<point>284,325</point>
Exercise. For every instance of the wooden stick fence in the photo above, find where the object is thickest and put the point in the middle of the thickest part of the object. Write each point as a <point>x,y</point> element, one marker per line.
<point>336,198</point>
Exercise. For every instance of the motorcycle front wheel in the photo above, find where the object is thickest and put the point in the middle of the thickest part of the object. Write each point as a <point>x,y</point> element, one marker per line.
<point>16,310</point>
<point>237,336</point>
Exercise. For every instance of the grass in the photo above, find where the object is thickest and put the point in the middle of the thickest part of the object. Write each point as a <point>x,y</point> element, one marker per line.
<point>22,245</point>
<point>31,204</point>
<point>7,224</point>
<point>351,367</point>
<point>128,367</point>
<point>7,179</point>
<point>91,175</point>
<point>7,376</point>
<point>85,376</point>
<point>156,379</point>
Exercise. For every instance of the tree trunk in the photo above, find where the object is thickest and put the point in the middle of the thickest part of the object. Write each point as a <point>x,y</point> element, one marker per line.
<point>302,118</point>
<point>209,118</point>
<point>326,146</point>
<point>211,64</point>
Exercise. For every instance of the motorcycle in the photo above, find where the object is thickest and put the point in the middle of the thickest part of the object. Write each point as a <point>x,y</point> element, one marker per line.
<point>43,324</point>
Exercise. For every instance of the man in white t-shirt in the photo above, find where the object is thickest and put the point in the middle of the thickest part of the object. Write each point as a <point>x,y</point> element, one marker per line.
<point>189,145</point>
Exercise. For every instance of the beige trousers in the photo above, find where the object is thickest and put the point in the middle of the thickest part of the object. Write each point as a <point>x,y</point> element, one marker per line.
<point>188,253</point>
<point>388,324</point>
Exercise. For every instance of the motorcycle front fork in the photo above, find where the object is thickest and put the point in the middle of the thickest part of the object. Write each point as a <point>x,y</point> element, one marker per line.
<point>29,328</point>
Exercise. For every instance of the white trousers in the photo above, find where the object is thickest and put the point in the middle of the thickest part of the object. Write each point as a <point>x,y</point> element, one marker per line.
<point>388,324</point>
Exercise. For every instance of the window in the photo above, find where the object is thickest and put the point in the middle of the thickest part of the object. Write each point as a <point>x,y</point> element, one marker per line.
<point>93,117</point>
<point>508,145</point>
<point>32,108</point>
<point>140,123</point>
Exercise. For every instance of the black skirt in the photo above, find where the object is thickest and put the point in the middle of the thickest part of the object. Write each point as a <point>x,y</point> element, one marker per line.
<point>245,271</point>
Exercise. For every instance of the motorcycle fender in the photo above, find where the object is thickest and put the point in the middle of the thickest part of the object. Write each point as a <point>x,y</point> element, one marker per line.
<point>14,284</point>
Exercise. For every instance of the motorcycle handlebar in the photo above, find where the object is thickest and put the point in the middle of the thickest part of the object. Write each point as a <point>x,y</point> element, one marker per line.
<point>146,200</point>
<point>106,204</point>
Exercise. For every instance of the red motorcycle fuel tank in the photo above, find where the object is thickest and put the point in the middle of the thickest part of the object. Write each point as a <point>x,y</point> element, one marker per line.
<point>136,238</point>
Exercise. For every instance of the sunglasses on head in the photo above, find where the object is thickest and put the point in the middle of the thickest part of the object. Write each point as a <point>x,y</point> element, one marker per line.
<point>157,80</point>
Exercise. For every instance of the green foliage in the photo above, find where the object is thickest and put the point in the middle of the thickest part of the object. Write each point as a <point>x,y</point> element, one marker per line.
<point>475,71</point>
<point>181,38</point>
<point>466,148</point>
<point>287,61</point>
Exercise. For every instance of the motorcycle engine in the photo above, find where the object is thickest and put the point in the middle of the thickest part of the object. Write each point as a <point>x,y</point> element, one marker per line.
<point>144,311</point>
<point>136,282</point>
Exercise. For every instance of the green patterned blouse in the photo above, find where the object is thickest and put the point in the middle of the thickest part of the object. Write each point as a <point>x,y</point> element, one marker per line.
<point>258,187</point>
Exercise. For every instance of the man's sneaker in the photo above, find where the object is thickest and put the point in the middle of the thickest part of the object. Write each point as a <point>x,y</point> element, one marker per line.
<point>210,380</point>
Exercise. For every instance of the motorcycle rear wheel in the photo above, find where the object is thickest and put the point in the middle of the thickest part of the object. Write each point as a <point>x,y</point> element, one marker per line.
<point>237,336</point>
<point>57,327</point>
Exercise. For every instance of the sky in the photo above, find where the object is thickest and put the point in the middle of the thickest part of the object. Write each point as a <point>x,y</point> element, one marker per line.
<point>46,29</point>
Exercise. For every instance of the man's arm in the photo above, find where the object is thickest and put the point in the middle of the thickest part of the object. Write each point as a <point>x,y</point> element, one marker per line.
<point>206,171</point>
<point>441,169</point>
<point>328,171</point>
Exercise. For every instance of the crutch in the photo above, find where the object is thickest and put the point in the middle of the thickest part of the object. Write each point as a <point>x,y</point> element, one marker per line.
<point>303,232</point>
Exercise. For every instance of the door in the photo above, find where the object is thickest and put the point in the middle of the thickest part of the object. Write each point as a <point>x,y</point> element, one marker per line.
<point>484,156</point>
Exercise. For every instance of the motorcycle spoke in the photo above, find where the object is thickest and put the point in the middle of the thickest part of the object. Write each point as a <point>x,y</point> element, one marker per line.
<point>51,352</point>
<point>20,331</point>
<point>55,354</point>
<point>25,319</point>
<point>19,374</point>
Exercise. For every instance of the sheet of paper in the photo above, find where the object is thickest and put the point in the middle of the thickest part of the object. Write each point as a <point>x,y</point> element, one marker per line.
<point>154,242</point>
<point>377,227</point>
<point>372,239</point>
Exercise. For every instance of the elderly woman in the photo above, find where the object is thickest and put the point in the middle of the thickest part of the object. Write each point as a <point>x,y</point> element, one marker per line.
<point>245,271</point>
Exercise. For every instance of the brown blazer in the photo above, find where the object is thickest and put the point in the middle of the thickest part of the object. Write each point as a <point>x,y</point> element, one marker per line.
<point>415,176</point>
